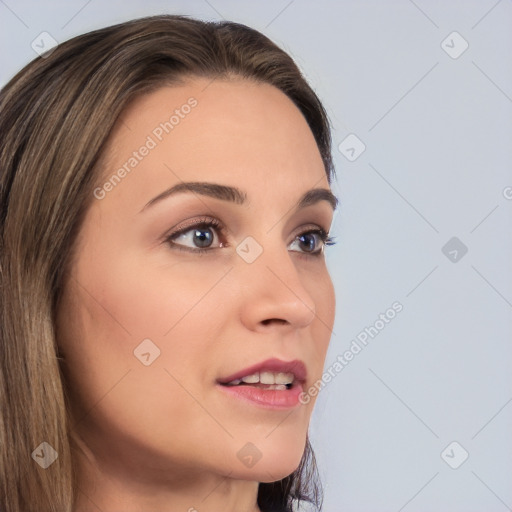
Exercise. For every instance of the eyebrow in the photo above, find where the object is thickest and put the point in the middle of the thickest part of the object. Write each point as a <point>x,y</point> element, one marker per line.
<point>236,196</point>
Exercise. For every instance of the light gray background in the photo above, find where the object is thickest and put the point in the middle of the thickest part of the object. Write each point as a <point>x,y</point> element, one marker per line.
<point>437,132</point>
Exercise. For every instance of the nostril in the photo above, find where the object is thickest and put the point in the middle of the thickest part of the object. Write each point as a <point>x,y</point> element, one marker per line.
<point>276,320</point>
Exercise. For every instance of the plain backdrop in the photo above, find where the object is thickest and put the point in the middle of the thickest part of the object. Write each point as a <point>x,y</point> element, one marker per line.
<point>419,94</point>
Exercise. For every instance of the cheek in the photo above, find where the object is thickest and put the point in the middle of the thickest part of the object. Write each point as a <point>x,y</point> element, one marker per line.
<point>326,300</point>
<point>172,317</point>
<point>127,314</point>
<point>133,299</point>
<point>321,289</point>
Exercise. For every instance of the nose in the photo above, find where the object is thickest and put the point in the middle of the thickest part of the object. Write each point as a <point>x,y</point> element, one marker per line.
<point>273,293</point>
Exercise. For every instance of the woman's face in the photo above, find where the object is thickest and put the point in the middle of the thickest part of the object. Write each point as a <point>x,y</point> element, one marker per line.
<point>167,298</point>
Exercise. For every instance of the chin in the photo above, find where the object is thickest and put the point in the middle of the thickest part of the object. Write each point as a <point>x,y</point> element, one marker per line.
<point>270,471</point>
<point>278,458</point>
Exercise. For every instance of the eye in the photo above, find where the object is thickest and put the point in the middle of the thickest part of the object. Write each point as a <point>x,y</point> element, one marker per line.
<point>200,236</point>
<point>312,242</point>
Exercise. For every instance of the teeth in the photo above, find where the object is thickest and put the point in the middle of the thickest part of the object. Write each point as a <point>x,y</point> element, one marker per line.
<point>270,378</point>
<point>251,379</point>
<point>284,378</point>
<point>267,378</point>
<point>278,387</point>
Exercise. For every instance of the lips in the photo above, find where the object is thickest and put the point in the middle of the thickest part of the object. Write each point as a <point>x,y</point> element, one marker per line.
<point>285,373</point>
<point>272,384</point>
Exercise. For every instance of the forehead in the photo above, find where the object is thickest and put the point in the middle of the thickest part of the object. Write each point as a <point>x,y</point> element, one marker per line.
<point>226,131</point>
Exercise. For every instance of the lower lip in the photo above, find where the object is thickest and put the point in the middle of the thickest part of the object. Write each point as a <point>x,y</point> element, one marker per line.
<point>269,398</point>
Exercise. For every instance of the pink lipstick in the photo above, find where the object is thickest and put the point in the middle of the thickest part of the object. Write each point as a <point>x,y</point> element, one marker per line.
<point>272,383</point>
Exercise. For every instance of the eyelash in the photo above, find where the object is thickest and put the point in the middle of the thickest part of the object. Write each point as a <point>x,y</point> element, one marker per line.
<point>221,231</point>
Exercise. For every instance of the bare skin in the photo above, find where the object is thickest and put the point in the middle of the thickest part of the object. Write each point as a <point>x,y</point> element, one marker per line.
<point>164,436</point>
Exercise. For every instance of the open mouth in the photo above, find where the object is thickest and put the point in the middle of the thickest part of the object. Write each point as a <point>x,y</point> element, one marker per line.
<point>265,380</point>
<point>272,384</point>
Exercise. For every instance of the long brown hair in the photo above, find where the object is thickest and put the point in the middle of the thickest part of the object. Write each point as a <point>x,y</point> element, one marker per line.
<point>56,115</point>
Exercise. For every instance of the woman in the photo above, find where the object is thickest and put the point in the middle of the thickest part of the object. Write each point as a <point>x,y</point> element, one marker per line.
<point>165,205</point>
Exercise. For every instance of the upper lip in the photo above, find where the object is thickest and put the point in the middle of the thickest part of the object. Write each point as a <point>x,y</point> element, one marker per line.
<point>296,367</point>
